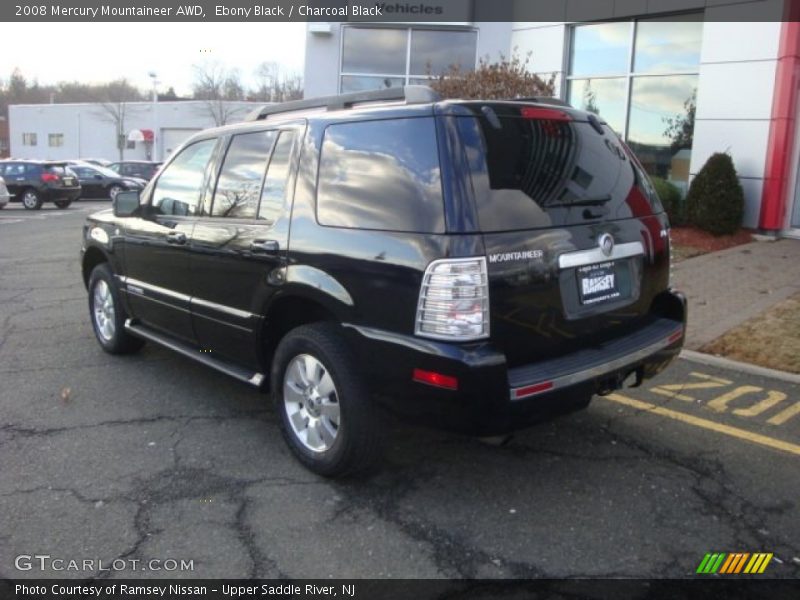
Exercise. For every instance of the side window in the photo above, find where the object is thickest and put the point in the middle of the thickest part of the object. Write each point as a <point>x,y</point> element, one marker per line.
<point>180,187</point>
<point>381,175</point>
<point>274,192</point>
<point>239,184</point>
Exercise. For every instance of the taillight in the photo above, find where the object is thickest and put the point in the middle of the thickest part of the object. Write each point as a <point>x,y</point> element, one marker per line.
<point>548,114</point>
<point>454,300</point>
<point>50,177</point>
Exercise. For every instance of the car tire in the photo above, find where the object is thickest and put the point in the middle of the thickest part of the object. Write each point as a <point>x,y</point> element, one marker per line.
<point>63,203</point>
<point>327,417</point>
<point>113,191</point>
<point>108,315</point>
<point>31,199</point>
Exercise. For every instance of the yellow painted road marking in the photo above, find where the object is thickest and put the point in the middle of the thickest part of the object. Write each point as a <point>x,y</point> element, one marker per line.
<point>710,378</point>
<point>742,434</point>
<point>785,415</point>
<point>673,390</point>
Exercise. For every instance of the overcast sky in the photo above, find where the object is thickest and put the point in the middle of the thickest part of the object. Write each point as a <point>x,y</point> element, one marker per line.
<point>98,52</point>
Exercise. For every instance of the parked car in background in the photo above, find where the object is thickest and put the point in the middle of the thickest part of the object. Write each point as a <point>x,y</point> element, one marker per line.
<point>100,182</point>
<point>100,162</point>
<point>145,169</point>
<point>34,182</point>
<point>4,195</point>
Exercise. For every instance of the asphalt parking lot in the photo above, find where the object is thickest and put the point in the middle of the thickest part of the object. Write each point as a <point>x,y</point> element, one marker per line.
<point>155,458</point>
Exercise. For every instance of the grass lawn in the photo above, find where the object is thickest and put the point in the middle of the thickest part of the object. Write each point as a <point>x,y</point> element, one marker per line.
<point>772,339</point>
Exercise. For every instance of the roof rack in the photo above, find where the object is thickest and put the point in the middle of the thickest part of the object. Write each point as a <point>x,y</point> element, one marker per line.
<point>411,94</point>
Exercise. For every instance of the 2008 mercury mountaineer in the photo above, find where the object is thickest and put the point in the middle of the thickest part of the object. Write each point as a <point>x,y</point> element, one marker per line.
<point>478,265</point>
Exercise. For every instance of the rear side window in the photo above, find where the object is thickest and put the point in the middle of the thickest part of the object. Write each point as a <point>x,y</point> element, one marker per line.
<point>274,192</point>
<point>381,175</point>
<point>239,185</point>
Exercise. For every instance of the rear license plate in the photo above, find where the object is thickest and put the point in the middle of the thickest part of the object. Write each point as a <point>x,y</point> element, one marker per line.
<point>69,181</point>
<point>599,283</point>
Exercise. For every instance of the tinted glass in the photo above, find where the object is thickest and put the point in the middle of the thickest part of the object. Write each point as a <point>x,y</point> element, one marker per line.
<point>381,175</point>
<point>601,49</point>
<point>274,192</point>
<point>603,97</point>
<point>180,187</point>
<point>239,185</point>
<point>57,169</point>
<point>374,50</point>
<point>661,126</point>
<point>664,46</point>
<point>536,173</point>
<point>435,51</point>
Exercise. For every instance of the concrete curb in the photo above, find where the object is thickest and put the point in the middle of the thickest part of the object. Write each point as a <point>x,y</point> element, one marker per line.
<point>726,363</point>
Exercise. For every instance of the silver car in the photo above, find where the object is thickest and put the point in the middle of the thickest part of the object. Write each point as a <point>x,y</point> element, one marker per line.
<point>4,195</point>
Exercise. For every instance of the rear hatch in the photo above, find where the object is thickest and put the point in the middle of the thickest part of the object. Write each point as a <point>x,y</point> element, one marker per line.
<point>59,175</point>
<point>575,237</point>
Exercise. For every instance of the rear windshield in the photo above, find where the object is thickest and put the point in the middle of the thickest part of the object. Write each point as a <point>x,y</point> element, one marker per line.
<point>381,175</point>
<point>531,173</point>
<point>57,169</point>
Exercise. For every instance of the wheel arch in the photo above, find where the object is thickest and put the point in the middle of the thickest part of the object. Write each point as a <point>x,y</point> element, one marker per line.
<point>295,306</point>
<point>91,258</point>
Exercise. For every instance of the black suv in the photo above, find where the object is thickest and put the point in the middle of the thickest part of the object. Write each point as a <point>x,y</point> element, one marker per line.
<point>34,182</point>
<point>478,265</point>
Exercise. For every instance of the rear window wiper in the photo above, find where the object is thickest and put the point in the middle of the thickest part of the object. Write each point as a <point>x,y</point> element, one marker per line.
<point>599,201</point>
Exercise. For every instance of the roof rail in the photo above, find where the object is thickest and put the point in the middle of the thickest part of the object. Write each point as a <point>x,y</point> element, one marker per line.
<point>411,94</point>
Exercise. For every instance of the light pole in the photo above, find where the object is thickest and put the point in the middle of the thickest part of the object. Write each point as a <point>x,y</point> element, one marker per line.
<point>154,152</point>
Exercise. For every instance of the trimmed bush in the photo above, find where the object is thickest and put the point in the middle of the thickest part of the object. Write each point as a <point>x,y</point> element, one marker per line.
<point>671,199</point>
<point>715,202</point>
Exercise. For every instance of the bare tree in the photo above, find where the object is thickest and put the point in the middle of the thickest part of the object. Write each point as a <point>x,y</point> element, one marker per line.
<point>113,100</point>
<point>217,87</point>
<point>267,74</point>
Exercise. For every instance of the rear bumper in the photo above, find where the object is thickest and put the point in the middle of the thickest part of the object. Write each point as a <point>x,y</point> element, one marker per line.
<point>490,397</point>
<point>53,194</point>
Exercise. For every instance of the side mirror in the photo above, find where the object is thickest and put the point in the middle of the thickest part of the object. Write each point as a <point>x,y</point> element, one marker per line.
<point>98,176</point>
<point>126,204</point>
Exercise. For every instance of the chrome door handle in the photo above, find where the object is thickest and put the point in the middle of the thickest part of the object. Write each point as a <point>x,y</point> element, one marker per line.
<point>176,237</point>
<point>264,246</point>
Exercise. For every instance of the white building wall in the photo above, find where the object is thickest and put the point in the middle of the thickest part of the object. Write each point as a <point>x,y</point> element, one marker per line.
<point>734,101</point>
<point>89,132</point>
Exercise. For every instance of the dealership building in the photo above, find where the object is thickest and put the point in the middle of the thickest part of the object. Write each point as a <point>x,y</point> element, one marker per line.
<point>97,130</point>
<point>678,86</point>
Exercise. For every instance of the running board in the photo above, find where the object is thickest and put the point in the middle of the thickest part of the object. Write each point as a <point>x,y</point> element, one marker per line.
<point>235,371</point>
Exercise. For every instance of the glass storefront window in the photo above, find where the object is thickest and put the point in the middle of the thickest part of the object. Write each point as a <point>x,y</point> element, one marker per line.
<point>602,49</point>
<point>667,46</point>
<point>360,83</point>
<point>374,50</point>
<point>437,50</point>
<point>661,124</point>
<point>379,57</point>
<point>641,78</point>
<point>603,97</point>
